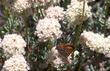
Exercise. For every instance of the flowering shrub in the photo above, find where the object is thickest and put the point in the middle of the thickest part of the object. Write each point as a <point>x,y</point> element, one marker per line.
<point>54,35</point>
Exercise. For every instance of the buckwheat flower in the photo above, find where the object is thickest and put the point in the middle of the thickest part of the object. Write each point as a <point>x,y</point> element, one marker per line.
<point>48,29</point>
<point>96,42</point>
<point>52,54</point>
<point>16,63</point>
<point>92,39</point>
<point>56,59</point>
<point>55,12</point>
<point>106,46</point>
<point>76,13</point>
<point>58,63</point>
<point>20,5</point>
<point>13,44</point>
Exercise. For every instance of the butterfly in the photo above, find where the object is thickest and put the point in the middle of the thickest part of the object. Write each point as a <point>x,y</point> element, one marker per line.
<point>65,49</point>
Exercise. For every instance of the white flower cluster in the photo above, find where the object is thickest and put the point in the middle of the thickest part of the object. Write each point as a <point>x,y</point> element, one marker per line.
<point>16,63</point>
<point>78,11</point>
<point>56,59</point>
<point>55,12</point>
<point>48,28</point>
<point>96,42</point>
<point>13,44</point>
<point>13,47</point>
<point>20,5</point>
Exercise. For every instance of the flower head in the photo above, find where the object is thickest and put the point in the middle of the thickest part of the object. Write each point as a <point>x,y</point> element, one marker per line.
<point>96,42</point>
<point>13,44</point>
<point>16,63</point>
<point>48,29</point>
<point>56,59</point>
<point>20,5</point>
<point>77,12</point>
<point>55,12</point>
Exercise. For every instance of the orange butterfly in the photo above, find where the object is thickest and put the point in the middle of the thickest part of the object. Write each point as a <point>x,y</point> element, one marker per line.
<point>65,49</point>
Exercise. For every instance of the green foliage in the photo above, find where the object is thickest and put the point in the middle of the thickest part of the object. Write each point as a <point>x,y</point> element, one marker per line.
<point>36,52</point>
